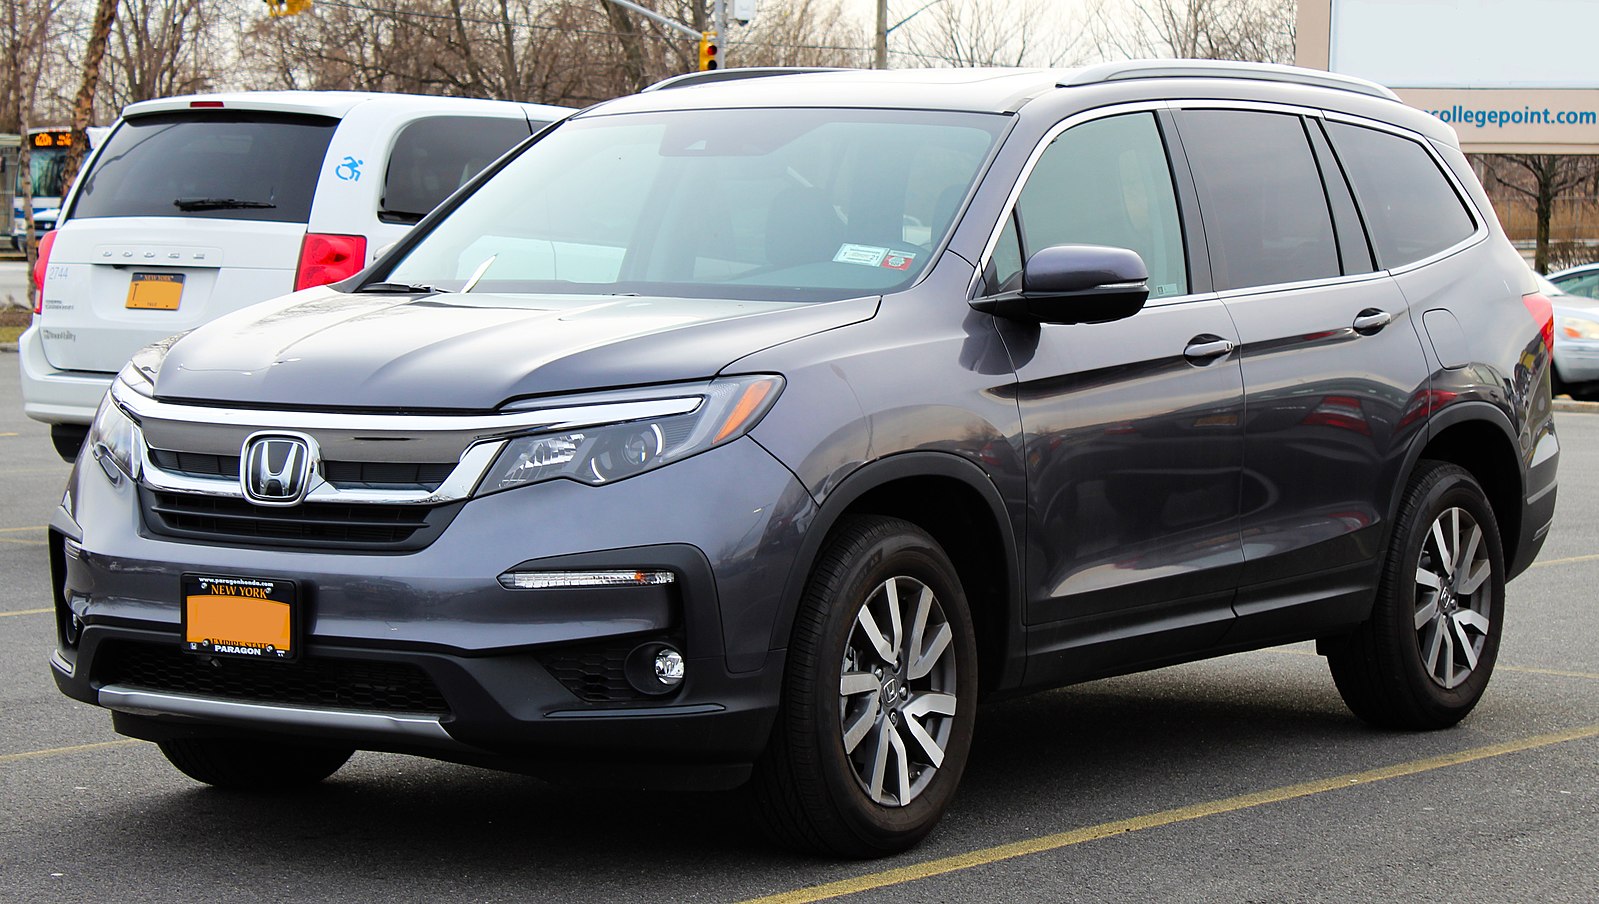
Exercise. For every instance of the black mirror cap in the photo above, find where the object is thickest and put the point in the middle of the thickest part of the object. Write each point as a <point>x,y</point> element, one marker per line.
<point>1075,284</point>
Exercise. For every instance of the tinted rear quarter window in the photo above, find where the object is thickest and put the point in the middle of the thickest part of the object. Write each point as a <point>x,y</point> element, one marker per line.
<point>1261,196</point>
<point>435,156</point>
<point>1411,209</point>
<point>231,166</point>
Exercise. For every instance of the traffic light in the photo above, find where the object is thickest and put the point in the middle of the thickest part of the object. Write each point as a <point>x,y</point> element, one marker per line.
<point>276,8</point>
<point>708,59</point>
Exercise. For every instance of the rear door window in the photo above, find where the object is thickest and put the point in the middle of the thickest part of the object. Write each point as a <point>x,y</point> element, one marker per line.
<point>224,165</point>
<point>1411,209</point>
<point>435,156</point>
<point>1265,210</point>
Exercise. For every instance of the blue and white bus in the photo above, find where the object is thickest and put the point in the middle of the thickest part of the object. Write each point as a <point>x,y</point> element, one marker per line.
<point>47,148</point>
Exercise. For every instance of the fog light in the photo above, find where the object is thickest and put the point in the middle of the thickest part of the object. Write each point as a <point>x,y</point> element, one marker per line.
<point>654,668</point>
<point>547,580</point>
<point>669,667</point>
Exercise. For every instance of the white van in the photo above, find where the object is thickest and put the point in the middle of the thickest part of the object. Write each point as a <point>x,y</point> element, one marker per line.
<point>196,206</point>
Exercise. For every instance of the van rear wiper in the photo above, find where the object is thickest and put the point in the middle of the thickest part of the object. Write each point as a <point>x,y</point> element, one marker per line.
<point>220,204</point>
<point>395,288</point>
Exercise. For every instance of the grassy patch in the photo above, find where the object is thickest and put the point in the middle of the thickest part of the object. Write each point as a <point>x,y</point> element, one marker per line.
<point>12,322</point>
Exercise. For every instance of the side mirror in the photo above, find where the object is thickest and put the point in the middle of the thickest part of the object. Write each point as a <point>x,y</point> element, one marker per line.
<point>1075,284</point>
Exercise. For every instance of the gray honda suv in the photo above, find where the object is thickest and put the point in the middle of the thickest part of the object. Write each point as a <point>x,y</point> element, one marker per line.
<point>754,430</point>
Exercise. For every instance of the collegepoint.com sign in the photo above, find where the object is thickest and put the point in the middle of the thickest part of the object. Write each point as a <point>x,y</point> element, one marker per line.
<point>1486,67</point>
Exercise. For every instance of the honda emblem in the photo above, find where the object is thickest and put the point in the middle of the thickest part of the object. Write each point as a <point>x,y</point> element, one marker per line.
<point>276,468</point>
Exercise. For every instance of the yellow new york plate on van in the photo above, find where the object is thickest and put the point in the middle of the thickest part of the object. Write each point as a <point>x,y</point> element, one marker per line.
<point>155,291</point>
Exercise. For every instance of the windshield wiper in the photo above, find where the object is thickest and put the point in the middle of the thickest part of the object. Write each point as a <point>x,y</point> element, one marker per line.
<point>220,204</point>
<point>396,288</point>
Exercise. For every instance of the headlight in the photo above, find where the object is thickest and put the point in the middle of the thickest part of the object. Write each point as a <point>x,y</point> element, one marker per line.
<point>726,409</point>
<point>1577,328</point>
<point>113,440</point>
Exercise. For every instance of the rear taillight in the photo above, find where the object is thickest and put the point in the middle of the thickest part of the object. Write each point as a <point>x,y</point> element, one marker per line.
<point>329,258</point>
<point>40,264</point>
<point>1543,313</point>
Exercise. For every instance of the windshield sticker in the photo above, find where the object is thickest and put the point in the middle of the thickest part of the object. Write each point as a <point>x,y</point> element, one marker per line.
<point>865,255</point>
<point>898,260</point>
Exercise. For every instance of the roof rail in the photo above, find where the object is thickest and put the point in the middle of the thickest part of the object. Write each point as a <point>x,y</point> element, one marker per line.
<point>1271,72</point>
<point>733,75</point>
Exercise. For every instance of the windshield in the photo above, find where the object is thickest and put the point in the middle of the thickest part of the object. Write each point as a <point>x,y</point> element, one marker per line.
<point>792,204</point>
<point>47,166</point>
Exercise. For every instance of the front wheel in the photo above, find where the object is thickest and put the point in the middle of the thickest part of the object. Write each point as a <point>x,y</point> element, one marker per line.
<point>1423,659</point>
<point>879,697</point>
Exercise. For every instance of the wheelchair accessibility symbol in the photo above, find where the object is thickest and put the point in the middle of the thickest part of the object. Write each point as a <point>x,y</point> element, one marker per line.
<point>349,170</point>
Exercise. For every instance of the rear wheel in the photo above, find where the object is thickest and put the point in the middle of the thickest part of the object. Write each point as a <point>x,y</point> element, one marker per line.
<point>1423,659</point>
<point>879,698</point>
<point>253,765</point>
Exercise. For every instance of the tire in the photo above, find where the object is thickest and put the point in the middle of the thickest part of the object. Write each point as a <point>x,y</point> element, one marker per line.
<point>1424,657</point>
<point>253,765</point>
<point>871,738</point>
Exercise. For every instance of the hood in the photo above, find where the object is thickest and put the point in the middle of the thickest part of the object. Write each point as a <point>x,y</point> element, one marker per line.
<point>325,349</point>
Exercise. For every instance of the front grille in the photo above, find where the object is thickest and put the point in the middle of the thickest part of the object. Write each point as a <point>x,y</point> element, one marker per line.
<point>311,524</point>
<point>368,475</point>
<point>349,684</point>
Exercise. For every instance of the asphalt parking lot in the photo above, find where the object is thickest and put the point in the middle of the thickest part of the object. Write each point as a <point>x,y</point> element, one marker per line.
<point>1239,779</point>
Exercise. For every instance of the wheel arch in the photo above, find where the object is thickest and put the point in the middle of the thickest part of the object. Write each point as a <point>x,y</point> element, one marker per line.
<point>1477,436</point>
<point>954,501</point>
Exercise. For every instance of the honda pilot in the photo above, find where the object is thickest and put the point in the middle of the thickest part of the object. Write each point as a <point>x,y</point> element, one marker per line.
<point>752,431</point>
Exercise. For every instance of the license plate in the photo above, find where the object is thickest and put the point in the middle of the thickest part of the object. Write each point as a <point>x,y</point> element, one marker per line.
<point>155,291</point>
<point>253,618</point>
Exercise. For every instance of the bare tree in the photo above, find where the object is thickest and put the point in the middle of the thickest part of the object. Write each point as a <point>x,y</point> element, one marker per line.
<point>31,35</point>
<point>105,15</point>
<point>798,33</point>
<point>1542,179</point>
<point>971,33</point>
<point>159,48</point>
<point>1259,31</point>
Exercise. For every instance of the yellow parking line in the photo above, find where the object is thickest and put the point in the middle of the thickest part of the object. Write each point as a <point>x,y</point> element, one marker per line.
<point>1500,667</point>
<point>58,751</point>
<point>1165,818</point>
<point>8,434</point>
<point>26,612</point>
<point>22,542</point>
<point>13,530</point>
<point>1566,561</point>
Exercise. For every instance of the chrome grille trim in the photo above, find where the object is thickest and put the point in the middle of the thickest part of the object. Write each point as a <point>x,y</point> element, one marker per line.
<point>459,485</point>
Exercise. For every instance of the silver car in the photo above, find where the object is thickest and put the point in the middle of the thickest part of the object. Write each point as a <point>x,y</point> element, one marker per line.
<point>1576,342</point>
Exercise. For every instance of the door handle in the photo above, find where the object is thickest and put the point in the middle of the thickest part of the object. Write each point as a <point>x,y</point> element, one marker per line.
<point>1371,320</point>
<point>1206,348</point>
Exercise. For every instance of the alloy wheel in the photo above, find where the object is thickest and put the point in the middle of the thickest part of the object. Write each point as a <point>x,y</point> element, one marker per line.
<point>1452,597</point>
<point>897,691</point>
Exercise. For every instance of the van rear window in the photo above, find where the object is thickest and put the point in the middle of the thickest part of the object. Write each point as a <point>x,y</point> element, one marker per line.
<point>229,166</point>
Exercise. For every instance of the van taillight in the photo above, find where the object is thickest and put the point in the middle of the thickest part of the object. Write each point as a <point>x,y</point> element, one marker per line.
<point>1543,313</point>
<point>40,263</point>
<point>329,258</point>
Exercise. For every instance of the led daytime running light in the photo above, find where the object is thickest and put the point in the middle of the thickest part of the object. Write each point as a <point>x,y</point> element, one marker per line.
<point>549,580</point>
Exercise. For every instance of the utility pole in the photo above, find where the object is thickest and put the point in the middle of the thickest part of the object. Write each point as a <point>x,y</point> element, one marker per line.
<point>721,29</point>
<point>880,51</point>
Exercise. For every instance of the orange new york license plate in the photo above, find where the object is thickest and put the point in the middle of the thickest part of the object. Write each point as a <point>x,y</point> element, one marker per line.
<point>155,291</point>
<point>239,616</point>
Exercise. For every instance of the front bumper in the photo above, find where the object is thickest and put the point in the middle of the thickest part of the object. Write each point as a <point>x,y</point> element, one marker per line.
<point>56,396</point>
<point>515,678</point>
